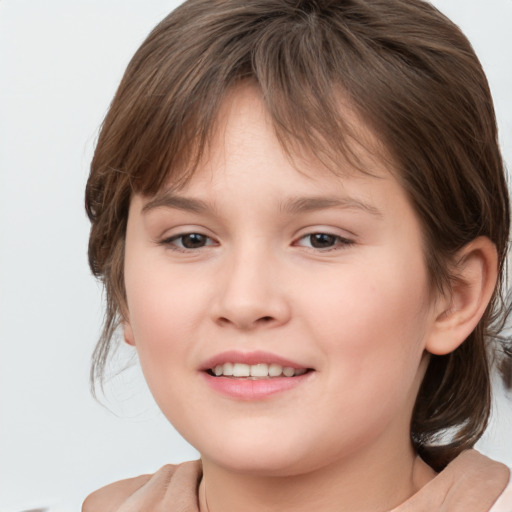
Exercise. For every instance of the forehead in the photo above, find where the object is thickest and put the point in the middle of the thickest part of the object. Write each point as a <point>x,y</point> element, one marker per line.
<point>245,135</point>
<point>247,159</point>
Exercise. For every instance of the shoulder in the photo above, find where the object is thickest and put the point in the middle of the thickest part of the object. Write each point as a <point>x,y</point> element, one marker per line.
<point>475,478</point>
<point>473,462</point>
<point>470,483</point>
<point>111,497</point>
<point>504,502</point>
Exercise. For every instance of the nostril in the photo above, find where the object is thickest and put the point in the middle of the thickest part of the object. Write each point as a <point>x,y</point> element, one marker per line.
<point>246,324</point>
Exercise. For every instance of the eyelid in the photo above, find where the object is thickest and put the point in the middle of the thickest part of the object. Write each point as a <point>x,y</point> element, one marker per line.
<point>169,241</point>
<point>175,230</point>
<point>342,242</point>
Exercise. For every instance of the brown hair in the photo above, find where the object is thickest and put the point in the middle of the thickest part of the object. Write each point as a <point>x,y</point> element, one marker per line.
<point>403,67</point>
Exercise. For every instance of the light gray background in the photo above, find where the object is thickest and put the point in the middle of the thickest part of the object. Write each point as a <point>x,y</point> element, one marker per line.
<point>60,63</point>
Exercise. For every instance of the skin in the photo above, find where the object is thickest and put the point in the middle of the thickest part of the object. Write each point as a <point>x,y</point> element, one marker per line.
<point>470,483</point>
<point>357,311</point>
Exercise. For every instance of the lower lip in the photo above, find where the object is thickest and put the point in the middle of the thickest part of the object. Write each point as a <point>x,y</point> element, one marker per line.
<point>254,389</point>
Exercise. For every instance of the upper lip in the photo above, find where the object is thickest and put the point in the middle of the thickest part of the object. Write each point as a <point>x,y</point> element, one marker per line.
<point>253,357</point>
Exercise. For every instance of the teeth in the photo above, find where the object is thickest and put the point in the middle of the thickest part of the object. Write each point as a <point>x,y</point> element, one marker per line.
<point>260,370</point>
<point>274,370</point>
<point>241,370</point>
<point>227,369</point>
<point>288,372</point>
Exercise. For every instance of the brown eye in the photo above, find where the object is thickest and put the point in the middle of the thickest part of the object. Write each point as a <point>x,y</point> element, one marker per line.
<point>322,240</point>
<point>193,241</point>
<point>188,242</point>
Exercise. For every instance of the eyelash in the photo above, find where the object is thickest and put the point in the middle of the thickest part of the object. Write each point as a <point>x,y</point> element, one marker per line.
<point>339,242</point>
<point>171,242</point>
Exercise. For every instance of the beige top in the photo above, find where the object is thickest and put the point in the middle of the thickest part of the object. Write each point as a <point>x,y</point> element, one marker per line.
<point>504,503</point>
<point>471,483</point>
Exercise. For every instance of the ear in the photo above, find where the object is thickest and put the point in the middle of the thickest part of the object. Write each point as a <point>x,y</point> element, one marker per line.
<point>458,312</point>
<point>128,333</point>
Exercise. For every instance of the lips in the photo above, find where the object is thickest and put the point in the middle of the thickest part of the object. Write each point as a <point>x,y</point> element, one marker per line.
<point>255,371</point>
<point>241,364</point>
<point>253,375</point>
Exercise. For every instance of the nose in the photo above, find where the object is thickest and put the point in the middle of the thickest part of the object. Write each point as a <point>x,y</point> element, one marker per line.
<point>251,293</point>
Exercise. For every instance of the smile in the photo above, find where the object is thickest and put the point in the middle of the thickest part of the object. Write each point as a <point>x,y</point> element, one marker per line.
<point>255,371</point>
<point>255,375</point>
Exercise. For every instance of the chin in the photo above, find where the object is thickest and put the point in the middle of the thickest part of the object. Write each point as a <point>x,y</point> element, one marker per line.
<point>266,466</point>
<point>261,457</point>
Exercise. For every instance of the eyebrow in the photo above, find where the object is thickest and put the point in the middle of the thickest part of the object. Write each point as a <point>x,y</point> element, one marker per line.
<point>292,206</point>
<point>170,200</point>
<point>307,204</point>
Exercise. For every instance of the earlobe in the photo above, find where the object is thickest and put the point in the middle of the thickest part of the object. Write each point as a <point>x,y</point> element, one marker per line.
<point>128,333</point>
<point>459,312</point>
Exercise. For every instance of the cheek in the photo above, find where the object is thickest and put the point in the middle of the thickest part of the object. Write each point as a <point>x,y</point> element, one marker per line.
<point>162,323</point>
<point>163,311</point>
<point>373,323</point>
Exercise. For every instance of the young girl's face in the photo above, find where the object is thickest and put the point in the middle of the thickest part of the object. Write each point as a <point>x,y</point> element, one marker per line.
<point>263,264</point>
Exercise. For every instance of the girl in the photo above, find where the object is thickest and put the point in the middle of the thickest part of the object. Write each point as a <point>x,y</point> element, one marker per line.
<point>300,215</point>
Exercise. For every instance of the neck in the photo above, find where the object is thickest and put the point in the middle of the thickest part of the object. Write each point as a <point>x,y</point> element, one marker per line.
<point>357,485</point>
